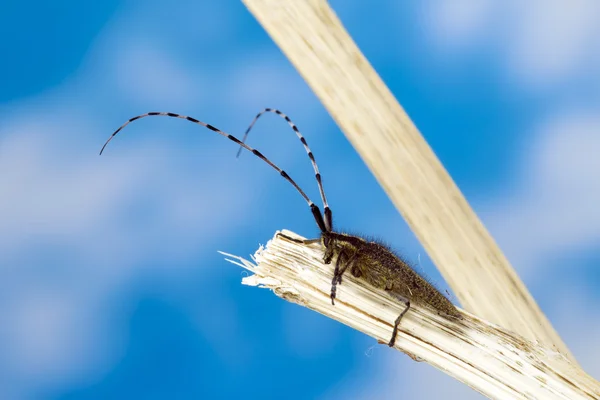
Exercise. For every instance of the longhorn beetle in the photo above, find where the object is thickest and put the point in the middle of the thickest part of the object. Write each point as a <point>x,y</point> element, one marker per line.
<point>365,259</point>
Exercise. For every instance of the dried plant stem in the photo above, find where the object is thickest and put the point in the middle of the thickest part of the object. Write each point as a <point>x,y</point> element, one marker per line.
<point>313,38</point>
<point>491,360</point>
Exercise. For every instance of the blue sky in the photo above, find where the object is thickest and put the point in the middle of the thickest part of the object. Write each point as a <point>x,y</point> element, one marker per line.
<point>110,281</point>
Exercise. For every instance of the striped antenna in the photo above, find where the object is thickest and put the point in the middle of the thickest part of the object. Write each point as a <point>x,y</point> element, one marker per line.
<point>314,208</point>
<point>327,210</point>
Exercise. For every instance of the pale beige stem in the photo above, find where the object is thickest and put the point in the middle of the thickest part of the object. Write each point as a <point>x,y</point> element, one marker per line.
<point>491,360</point>
<point>313,38</point>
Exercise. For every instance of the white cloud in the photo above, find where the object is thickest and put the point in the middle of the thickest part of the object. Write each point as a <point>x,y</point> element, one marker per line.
<point>70,332</point>
<point>540,43</point>
<point>552,41</point>
<point>555,204</point>
<point>457,23</point>
<point>166,82</point>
